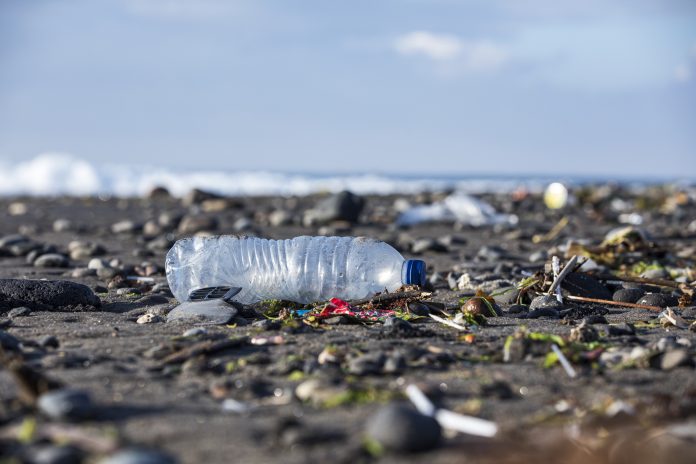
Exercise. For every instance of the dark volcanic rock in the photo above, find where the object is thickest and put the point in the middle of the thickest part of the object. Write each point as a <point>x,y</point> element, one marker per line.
<point>45,295</point>
<point>545,302</point>
<point>628,295</point>
<point>657,299</point>
<point>400,428</point>
<point>580,284</point>
<point>343,206</point>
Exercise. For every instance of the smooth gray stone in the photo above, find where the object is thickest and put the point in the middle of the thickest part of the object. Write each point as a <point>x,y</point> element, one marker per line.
<point>403,429</point>
<point>66,404</point>
<point>211,312</point>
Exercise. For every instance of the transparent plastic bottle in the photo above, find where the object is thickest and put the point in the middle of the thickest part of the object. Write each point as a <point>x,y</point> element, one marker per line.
<point>303,269</point>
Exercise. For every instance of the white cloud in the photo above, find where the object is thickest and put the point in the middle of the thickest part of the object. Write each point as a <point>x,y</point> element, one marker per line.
<point>472,55</point>
<point>682,73</point>
<point>436,47</point>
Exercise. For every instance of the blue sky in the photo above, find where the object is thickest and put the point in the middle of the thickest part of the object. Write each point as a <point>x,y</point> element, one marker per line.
<point>437,86</point>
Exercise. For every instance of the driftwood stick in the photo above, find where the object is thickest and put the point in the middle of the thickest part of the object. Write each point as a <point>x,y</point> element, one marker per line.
<point>639,280</point>
<point>614,303</point>
<point>564,272</point>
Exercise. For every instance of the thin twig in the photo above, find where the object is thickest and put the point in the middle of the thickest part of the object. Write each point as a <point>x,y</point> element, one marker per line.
<point>614,303</point>
<point>385,297</point>
<point>639,280</point>
<point>566,270</point>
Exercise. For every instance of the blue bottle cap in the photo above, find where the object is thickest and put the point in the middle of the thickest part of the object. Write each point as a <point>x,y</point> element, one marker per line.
<point>413,272</point>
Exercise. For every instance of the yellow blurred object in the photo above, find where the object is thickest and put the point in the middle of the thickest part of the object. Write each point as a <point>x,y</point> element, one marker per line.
<point>556,196</point>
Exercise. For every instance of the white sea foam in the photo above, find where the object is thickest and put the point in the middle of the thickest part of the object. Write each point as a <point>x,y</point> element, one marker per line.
<point>64,174</point>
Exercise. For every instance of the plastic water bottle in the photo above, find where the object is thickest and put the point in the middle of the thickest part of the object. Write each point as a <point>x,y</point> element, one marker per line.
<point>303,269</point>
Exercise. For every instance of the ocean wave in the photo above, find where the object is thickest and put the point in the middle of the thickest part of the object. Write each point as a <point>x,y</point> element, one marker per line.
<point>64,174</point>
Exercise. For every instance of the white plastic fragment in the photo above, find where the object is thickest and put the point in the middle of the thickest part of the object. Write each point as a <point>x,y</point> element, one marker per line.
<point>232,405</point>
<point>448,419</point>
<point>564,361</point>
<point>459,207</point>
<point>449,323</point>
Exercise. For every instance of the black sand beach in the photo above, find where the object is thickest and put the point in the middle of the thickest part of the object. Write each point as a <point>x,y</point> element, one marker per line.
<point>270,386</point>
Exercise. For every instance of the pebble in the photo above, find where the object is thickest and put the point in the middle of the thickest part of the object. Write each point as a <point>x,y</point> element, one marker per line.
<point>280,217</point>
<point>675,358</point>
<point>62,225</point>
<point>54,454</point>
<point>97,263</point>
<point>367,364</point>
<point>518,308</point>
<point>402,429</point>
<point>628,295</point>
<point>49,341</point>
<point>45,294</point>
<point>52,260</point>
<point>584,285</point>
<point>82,272</point>
<point>198,223</point>
<point>595,319</point>
<point>148,319</point>
<point>418,309</point>
<point>213,312</point>
<point>543,312</point>
<point>424,245</point>
<point>125,227</point>
<point>538,256</point>
<point>343,206</point>
<point>545,302</point>
<point>657,299</point>
<point>84,249</point>
<point>584,333</point>
<point>66,404</point>
<point>621,329</point>
<point>194,332</point>
<point>128,291</point>
<point>8,341</point>
<point>21,311</point>
<point>139,456</point>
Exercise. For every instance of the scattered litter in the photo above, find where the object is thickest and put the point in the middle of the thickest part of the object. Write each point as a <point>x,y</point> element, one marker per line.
<point>448,419</point>
<point>232,405</point>
<point>564,361</point>
<point>669,317</point>
<point>338,307</point>
<point>448,323</point>
<point>274,340</point>
<point>458,207</point>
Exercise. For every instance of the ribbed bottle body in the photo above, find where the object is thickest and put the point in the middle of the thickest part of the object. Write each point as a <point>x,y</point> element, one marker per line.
<point>303,269</point>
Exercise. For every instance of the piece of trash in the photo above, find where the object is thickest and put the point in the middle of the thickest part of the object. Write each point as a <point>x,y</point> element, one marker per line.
<point>345,267</point>
<point>672,318</point>
<point>338,307</point>
<point>457,207</point>
<point>556,196</point>
<point>274,340</point>
<point>564,361</point>
<point>448,323</point>
<point>232,405</point>
<point>448,419</point>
